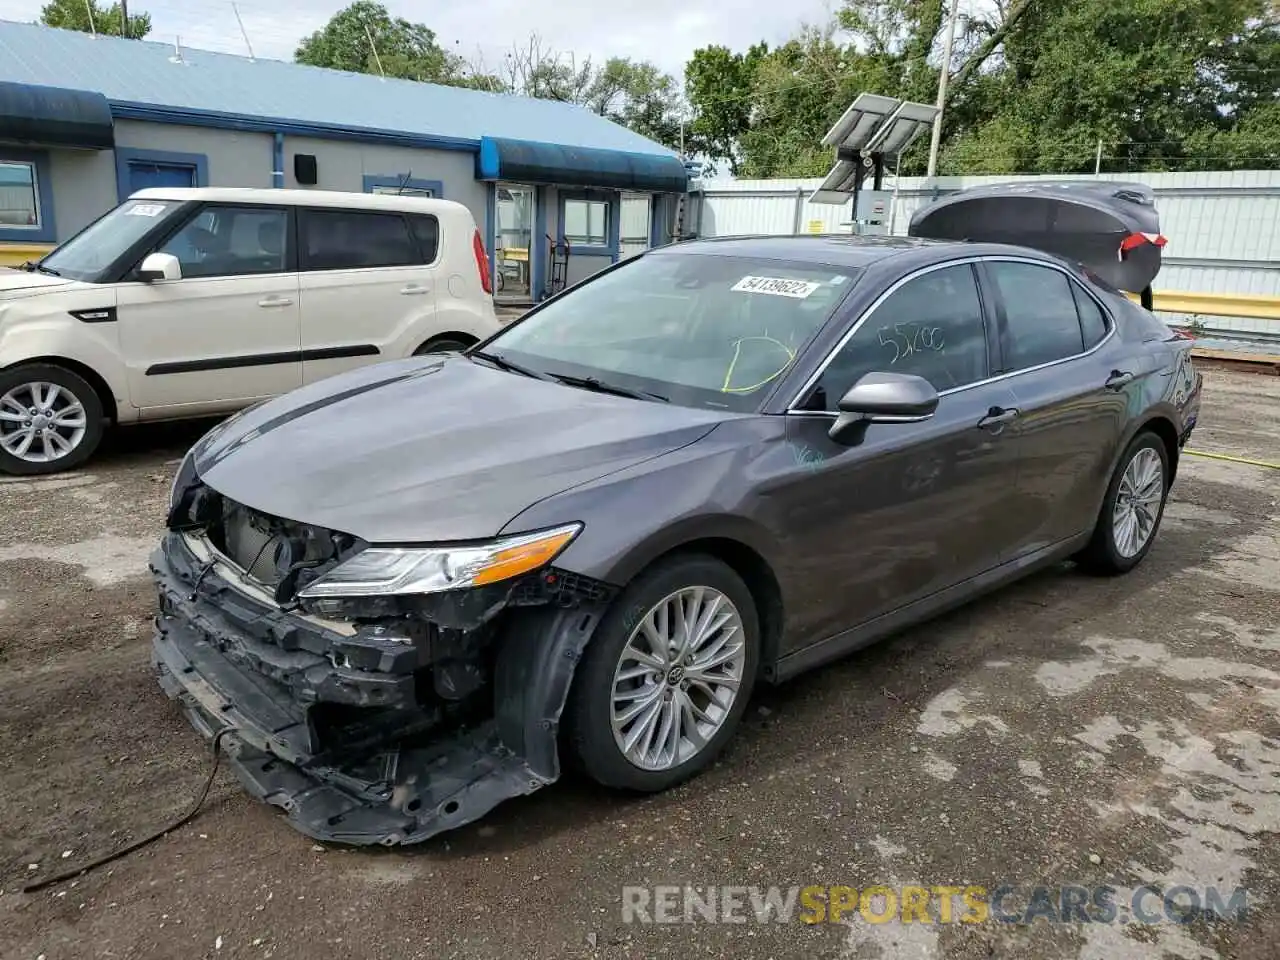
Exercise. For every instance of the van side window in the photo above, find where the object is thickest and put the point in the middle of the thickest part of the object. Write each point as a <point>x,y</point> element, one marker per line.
<point>355,239</point>
<point>426,230</point>
<point>232,242</point>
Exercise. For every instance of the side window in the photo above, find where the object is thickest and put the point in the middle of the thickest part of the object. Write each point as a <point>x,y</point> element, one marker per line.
<point>354,239</point>
<point>426,230</point>
<point>1093,322</point>
<point>231,241</point>
<point>931,326</point>
<point>1042,324</point>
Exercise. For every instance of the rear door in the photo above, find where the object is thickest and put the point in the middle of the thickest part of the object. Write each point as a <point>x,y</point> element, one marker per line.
<point>1062,359</point>
<point>224,334</point>
<point>368,286</point>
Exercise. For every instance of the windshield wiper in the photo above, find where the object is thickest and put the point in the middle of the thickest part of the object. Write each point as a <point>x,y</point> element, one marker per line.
<point>43,269</point>
<point>502,363</point>
<point>599,386</point>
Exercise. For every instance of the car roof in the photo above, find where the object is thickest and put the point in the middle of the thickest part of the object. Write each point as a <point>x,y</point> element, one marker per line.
<point>845,250</point>
<point>308,198</point>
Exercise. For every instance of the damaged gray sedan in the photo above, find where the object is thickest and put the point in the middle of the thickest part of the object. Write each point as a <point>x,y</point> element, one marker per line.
<point>402,595</point>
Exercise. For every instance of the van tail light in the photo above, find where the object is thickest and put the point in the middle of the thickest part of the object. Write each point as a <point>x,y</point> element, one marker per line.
<point>1138,239</point>
<point>482,263</point>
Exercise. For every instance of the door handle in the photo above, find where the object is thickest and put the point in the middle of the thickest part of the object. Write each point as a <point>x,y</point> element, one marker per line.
<point>1118,379</point>
<point>997,417</point>
<point>275,302</point>
<point>413,288</point>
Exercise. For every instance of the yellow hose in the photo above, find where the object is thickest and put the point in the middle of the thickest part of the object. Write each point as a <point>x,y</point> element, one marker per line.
<point>1223,456</point>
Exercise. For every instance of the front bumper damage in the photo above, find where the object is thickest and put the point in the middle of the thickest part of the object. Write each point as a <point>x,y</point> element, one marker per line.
<point>340,724</point>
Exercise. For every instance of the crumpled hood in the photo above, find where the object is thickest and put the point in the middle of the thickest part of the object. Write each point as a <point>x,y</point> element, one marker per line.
<point>427,449</point>
<point>22,282</point>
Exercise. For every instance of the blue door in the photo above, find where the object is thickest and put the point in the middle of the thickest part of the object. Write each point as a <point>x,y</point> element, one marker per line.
<point>143,174</point>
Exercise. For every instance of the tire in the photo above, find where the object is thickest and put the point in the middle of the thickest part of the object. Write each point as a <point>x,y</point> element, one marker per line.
<point>81,435</point>
<point>590,714</point>
<point>1108,553</point>
<point>443,345</point>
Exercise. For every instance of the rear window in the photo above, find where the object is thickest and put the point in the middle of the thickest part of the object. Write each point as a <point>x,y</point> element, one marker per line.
<point>355,239</point>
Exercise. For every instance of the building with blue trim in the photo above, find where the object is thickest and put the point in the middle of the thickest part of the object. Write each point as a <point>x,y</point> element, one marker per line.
<point>85,121</point>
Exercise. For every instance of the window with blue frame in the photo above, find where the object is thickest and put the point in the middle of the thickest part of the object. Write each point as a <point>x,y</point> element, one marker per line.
<point>586,222</point>
<point>26,204</point>
<point>19,195</point>
<point>402,185</point>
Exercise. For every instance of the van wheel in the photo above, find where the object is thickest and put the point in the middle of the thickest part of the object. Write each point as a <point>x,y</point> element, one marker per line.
<point>1132,509</point>
<point>50,420</point>
<point>664,683</point>
<point>443,345</point>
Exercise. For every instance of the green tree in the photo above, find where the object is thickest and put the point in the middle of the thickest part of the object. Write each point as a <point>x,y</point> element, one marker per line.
<point>639,96</point>
<point>365,38</point>
<point>88,17</point>
<point>720,87</point>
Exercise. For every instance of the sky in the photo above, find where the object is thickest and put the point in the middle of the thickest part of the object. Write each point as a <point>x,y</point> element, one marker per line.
<point>663,31</point>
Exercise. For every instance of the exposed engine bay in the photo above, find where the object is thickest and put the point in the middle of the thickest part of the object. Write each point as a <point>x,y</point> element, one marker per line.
<point>382,719</point>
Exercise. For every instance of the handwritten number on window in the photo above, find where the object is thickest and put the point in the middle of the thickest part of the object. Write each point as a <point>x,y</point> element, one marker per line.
<point>912,339</point>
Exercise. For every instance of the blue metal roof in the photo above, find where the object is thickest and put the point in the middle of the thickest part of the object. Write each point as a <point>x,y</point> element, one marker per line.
<point>142,78</point>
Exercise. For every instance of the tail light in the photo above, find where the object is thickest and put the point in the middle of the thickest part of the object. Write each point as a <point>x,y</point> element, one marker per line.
<point>1138,239</point>
<point>482,263</point>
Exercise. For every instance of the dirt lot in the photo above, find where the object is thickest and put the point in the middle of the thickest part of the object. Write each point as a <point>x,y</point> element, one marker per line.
<point>1065,731</point>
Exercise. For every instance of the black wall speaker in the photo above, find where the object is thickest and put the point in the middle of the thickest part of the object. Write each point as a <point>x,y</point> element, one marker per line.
<point>304,169</point>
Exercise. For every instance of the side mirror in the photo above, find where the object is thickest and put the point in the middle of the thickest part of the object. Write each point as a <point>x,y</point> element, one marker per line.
<point>159,266</point>
<point>883,398</point>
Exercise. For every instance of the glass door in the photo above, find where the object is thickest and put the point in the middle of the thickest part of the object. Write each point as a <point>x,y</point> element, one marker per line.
<point>514,244</point>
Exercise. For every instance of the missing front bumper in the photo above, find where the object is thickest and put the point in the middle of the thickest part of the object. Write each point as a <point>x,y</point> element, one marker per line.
<point>402,781</point>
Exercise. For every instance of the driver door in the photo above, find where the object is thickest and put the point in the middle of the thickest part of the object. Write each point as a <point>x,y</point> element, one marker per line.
<point>228,332</point>
<point>914,507</point>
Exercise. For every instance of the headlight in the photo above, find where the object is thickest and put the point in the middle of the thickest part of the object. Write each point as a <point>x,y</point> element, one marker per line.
<point>391,571</point>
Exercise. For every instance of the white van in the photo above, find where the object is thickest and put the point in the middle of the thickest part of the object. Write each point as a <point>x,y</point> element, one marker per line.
<point>182,303</point>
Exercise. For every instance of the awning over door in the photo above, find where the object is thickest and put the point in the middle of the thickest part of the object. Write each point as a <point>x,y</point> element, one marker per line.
<point>529,161</point>
<point>54,117</point>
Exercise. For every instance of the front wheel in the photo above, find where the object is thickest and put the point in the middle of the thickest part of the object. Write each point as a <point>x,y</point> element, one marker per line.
<point>664,683</point>
<point>50,420</point>
<point>1132,510</point>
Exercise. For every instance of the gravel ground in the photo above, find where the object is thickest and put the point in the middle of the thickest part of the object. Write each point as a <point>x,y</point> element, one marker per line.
<point>1065,731</point>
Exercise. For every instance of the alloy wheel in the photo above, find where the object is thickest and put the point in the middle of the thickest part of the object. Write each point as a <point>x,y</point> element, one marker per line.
<point>1138,500</point>
<point>41,422</point>
<point>678,677</point>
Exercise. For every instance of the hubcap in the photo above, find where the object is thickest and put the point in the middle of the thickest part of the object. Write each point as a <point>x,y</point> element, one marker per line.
<point>41,422</point>
<point>1138,502</point>
<point>677,678</point>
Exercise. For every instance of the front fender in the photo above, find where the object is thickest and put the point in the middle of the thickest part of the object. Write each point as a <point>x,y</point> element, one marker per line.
<point>53,336</point>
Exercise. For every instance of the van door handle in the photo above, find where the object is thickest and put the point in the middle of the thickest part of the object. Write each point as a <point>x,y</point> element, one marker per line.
<point>413,288</point>
<point>275,302</point>
<point>1118,379</point>
<point>996,418</point>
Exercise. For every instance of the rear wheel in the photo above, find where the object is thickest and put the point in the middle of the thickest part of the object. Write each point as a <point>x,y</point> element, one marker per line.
<point>50,420</point>
<point>1132,509</point>
<point>664,683</point>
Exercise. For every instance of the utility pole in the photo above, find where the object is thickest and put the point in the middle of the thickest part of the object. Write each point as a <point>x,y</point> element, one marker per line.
<point>124,19</point>
<point>936,140</point>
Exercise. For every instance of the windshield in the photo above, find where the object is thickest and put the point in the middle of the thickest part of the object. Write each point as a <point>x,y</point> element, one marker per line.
<point>96,247</point>
<point>697,329</point>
